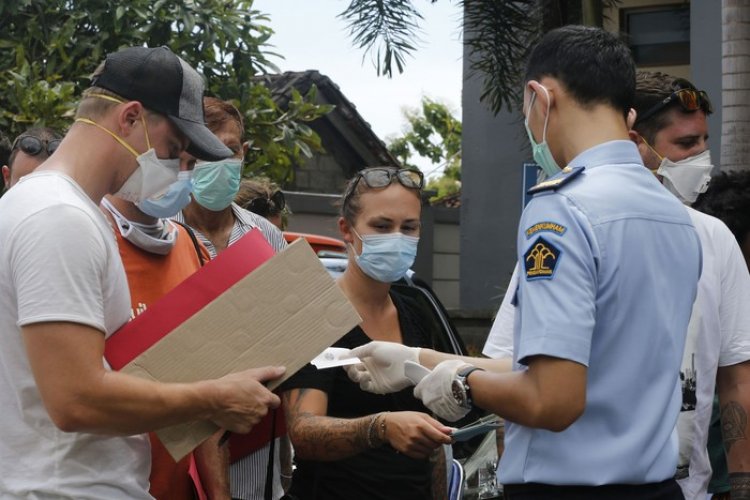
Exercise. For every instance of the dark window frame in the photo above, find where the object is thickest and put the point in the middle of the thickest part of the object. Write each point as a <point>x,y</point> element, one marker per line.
<point>625,28</point>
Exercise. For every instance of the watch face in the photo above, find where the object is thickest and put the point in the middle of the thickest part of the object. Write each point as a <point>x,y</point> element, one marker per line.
<point>459,393</point>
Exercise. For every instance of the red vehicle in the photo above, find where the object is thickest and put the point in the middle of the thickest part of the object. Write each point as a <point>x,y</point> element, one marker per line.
<point>324,244</point>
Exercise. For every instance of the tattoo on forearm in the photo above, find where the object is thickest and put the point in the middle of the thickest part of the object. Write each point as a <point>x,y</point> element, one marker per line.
<point>733,423</point>
<point>740,484</point>
<point>320,437</point>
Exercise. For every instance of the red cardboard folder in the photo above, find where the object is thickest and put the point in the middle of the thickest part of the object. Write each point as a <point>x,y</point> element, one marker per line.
<point>186,299</point>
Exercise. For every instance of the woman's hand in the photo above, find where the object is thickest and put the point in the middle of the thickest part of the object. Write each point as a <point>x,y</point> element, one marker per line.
<point>415,434</point>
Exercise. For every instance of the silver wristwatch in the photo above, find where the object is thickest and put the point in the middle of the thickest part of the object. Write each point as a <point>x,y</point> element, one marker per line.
<point>460,387</point>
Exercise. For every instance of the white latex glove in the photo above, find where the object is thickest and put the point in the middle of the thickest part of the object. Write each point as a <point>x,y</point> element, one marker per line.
<point>435,391</point>
<point>382,367</point>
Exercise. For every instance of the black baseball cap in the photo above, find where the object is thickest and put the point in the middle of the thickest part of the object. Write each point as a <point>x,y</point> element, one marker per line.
<point>165,84</point>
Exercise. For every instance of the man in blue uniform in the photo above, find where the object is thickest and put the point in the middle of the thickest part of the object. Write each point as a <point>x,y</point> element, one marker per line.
<point>610,262</point>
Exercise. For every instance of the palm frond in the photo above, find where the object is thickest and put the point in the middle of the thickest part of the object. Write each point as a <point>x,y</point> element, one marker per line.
<point>386,29</point>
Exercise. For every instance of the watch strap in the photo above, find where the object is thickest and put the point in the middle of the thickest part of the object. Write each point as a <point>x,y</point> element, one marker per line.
<point>463,375</point>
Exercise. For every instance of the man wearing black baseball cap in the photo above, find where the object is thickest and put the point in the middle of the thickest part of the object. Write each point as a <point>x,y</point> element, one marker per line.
<point>73,428</point>
<point>176,91</point>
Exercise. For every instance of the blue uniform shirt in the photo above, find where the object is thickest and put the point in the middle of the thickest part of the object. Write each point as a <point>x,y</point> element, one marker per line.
<point>609,267</point>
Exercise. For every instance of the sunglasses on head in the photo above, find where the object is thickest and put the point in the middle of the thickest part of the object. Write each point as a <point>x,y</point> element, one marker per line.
<point>267,206</point>
<point>378,178</point>
<point>689,98</point>
<point>32,146</point>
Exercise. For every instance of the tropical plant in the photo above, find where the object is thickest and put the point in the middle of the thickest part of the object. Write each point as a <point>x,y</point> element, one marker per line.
<point>49,47</point>
<point>432,132</point>
<point>498,33</point>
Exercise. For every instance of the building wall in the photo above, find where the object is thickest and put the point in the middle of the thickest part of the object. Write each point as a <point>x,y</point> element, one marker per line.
<point>612,23</point>
<point>319,174</point>
<point>704,70</point>
<point>446,249</point>
<point>494,150</point>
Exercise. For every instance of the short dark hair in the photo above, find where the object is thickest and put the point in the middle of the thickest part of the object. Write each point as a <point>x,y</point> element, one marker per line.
<point>652,88</point>
<point>593,65</point>
<point>45,134</point>
<point>728,199</point>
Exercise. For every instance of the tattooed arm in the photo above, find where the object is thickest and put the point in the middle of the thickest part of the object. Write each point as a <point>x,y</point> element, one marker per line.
<point>316,436</point>
<point>733,384</point>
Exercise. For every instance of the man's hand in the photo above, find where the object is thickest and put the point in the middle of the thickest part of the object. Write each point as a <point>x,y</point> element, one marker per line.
<point>243,398</point>
<point>436,391</point>
<point>382,367</point>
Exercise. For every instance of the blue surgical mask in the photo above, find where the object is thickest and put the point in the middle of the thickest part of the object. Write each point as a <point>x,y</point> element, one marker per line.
<point>216,183</point>
<point>175,198</point>
<point>386,257</point>
<point>542,155</point>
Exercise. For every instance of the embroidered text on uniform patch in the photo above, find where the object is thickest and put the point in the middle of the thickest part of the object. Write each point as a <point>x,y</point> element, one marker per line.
<point>552,227</point>
<point>541,259</point>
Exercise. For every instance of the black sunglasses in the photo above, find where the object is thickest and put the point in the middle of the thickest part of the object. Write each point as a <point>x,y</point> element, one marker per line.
<point>381,177</point>
<point>690,99</point>
<point>267,206</point>
<point>32,146</point>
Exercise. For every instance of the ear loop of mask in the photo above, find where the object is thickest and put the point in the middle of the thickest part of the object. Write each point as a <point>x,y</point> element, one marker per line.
<point>661,158</point>
<point>115,136</point>
<point>546,117</point>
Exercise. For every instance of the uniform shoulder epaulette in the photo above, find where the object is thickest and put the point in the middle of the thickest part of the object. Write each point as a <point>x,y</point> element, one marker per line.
<point>567,175</point>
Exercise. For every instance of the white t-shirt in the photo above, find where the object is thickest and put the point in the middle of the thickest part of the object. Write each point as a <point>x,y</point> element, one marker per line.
<point>718,335</point>
<point>58,262</point>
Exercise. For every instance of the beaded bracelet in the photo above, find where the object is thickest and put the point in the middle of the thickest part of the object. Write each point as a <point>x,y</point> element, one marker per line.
<point>379,434</point>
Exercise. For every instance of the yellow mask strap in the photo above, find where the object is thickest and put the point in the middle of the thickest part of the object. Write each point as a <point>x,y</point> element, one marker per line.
<point>145,129</point>
<point>652,149</point>
<point>107,98</point>
<point>120,101</point>
<point>114,136</point>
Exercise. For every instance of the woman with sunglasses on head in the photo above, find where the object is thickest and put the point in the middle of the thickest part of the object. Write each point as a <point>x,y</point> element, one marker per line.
<point>29,150</point>
<point>262,197</point>
<point>350,443</point>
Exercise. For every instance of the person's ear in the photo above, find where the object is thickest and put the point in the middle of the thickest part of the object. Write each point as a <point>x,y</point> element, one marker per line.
<point>635,137</point>
<point>6,176</point>
<point>129,115</point>
<point>631,118</point>
<point>544,96</point>
<point>640,143</point>
<point>245,148</point>
<point>345,230</point>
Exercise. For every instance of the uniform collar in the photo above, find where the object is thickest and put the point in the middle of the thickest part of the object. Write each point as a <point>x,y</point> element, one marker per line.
<point>608,153</point>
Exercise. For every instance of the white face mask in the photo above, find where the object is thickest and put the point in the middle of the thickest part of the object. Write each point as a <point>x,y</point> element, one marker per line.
<point>687,178</point>
<point>152,177</point>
